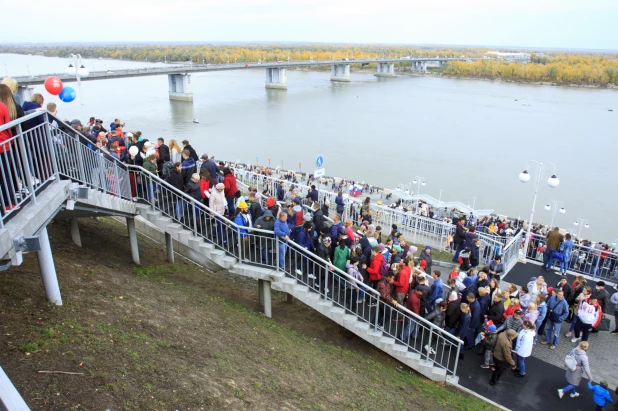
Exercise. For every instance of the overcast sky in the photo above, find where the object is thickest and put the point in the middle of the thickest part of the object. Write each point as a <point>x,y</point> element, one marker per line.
<point>588,24</point>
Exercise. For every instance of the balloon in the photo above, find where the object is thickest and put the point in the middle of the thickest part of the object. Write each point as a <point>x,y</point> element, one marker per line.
<point>67,94</point>
<point>53,85</point>
<point>133,150</point>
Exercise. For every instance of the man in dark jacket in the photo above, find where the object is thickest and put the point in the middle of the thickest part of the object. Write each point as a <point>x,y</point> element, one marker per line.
<point>255,209</point>
<point>192,153</point>
<point>280,192</point>
<point>385,288</point>
<point>476,320</point>
<point>425,294</point>
<point>265,222</point>
<point>459,239</point>
<point>602,297</point>
<point>212,168</point>
<point>313,194</point>
<point>453,313</point>
<point>164,153</point>
<point>566,288</point>
<point>554,238</point>
<point>496,309</point>
<point>188,166</point>
<point>318,216</point>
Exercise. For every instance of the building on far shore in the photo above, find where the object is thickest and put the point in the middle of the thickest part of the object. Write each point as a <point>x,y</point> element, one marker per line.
<point>521,57</point>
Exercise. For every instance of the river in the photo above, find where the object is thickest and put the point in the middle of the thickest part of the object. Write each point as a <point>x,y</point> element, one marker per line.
<point>468,138</point>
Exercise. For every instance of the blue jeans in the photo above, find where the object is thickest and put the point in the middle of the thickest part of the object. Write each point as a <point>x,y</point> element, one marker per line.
<point>265,255</point>
<point>151,189</point>
<point>552,332</point>
<point>564,264</point>
<point>230,205</point>
<point>569,388</point>
<point>180,208</point>
<point>460,248</point>
<point>548,258</point>
<point>521,364</point>
<point>283,246</point>
<point>411,328</point>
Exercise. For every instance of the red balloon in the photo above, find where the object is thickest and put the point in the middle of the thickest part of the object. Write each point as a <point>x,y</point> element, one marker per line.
<point>53,85</point>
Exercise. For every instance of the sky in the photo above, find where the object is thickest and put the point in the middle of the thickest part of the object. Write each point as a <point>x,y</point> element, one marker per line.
<point>575,24</point>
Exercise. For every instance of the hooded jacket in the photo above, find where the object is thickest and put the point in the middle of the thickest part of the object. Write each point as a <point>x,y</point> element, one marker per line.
<point>304,240</point>
<point>217,201</point>
<point>425,256</point>
<point>193,189</point>
<point>212,168</point>
<point>353,271</point>
<point>402,283</point>
<point>265,224</point>
<point>229,181</point>
<point>374,267</point>
<point>255,209</point>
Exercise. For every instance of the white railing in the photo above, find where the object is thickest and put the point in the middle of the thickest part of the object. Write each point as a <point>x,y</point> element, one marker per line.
<point>583,260</point>
<point>44,150</point>
<point>59,154</point>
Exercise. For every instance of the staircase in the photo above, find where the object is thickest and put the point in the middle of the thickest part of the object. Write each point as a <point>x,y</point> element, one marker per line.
<point>198,233</point>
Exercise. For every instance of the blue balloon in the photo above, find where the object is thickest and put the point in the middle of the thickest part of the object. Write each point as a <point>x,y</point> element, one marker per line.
<point>67,94</point>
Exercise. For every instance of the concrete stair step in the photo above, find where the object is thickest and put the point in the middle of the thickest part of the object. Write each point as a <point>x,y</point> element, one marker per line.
<point>228,262</point>
<point>301,288</point>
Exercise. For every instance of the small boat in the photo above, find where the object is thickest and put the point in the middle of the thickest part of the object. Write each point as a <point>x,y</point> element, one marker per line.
<point>196,120</point>
<point>611,109</point>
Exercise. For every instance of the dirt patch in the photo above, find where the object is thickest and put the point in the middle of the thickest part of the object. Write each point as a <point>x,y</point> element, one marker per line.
<point>177,337</point>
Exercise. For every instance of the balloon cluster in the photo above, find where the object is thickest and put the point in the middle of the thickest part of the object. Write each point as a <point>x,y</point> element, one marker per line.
<point>54,86</point>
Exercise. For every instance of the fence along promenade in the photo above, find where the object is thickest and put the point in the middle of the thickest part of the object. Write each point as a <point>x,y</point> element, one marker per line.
<point>60,155</point>
<point>416,228</point>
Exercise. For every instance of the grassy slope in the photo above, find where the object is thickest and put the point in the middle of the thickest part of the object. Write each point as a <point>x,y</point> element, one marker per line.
<point>164,336</point>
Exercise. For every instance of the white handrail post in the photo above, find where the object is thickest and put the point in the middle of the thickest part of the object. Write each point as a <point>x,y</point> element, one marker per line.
<point>26,164</point>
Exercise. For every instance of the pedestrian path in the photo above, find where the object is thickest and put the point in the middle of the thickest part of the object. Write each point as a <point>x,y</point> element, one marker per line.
<point>545,368</point>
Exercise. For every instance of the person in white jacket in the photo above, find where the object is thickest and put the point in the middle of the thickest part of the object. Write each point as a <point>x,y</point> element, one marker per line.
<point>537,286</point>
<point>217,203</point>
<point>523,347</point>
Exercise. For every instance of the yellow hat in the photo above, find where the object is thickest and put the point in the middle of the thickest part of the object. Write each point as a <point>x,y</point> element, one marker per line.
<point>242,204</point>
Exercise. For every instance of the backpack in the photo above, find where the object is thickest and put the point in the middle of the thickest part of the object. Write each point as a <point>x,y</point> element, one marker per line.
<point>167,169</point>
<point>570,362</point>
<point>384,267</point>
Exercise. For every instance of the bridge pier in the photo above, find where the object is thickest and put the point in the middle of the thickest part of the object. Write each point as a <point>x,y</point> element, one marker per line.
<point>180,87</point>
<point>340,73</point>
<point>276,78</point>
<point>386,70</point>
<point>133,239</point>
<point>24,92</point>
<point>48,269</point>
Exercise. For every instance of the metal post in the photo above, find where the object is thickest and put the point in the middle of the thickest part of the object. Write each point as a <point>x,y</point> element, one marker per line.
<point>48,270</point>
<point>276,242</point>
<point>169,247</point>
<point>117,181</point>
<point>194,218</point>
<point>102,172</point>
<point>80,161</point>
<point>133,239</point>
<point>75,231</point>
<point>26,163</point>
<point>537,185</point>
<point>267,301</point>
<point>52,148</point>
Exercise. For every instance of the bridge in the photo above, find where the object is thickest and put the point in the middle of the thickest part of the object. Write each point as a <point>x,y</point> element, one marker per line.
<point>180,76</point>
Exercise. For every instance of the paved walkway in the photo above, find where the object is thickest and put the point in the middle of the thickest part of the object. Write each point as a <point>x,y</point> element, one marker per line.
<point>545,369</point>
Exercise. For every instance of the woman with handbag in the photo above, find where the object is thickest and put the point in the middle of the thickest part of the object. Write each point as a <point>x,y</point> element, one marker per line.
<point>574,376</point>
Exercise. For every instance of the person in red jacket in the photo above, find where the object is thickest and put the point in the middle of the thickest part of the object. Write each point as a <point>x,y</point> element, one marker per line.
<point>229,182</point>
<point>402,283</point>
<point>413,304</point>
<point>374,267</point>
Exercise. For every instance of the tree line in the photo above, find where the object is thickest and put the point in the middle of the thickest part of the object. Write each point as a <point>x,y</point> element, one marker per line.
<point>583,69</point>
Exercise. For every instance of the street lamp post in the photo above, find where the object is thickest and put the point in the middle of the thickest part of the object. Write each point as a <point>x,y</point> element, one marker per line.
<point>554,204</point>
<point>524,177</point>
<point>419,181</point>
<point>78,70</point>
<point>579,223</point>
